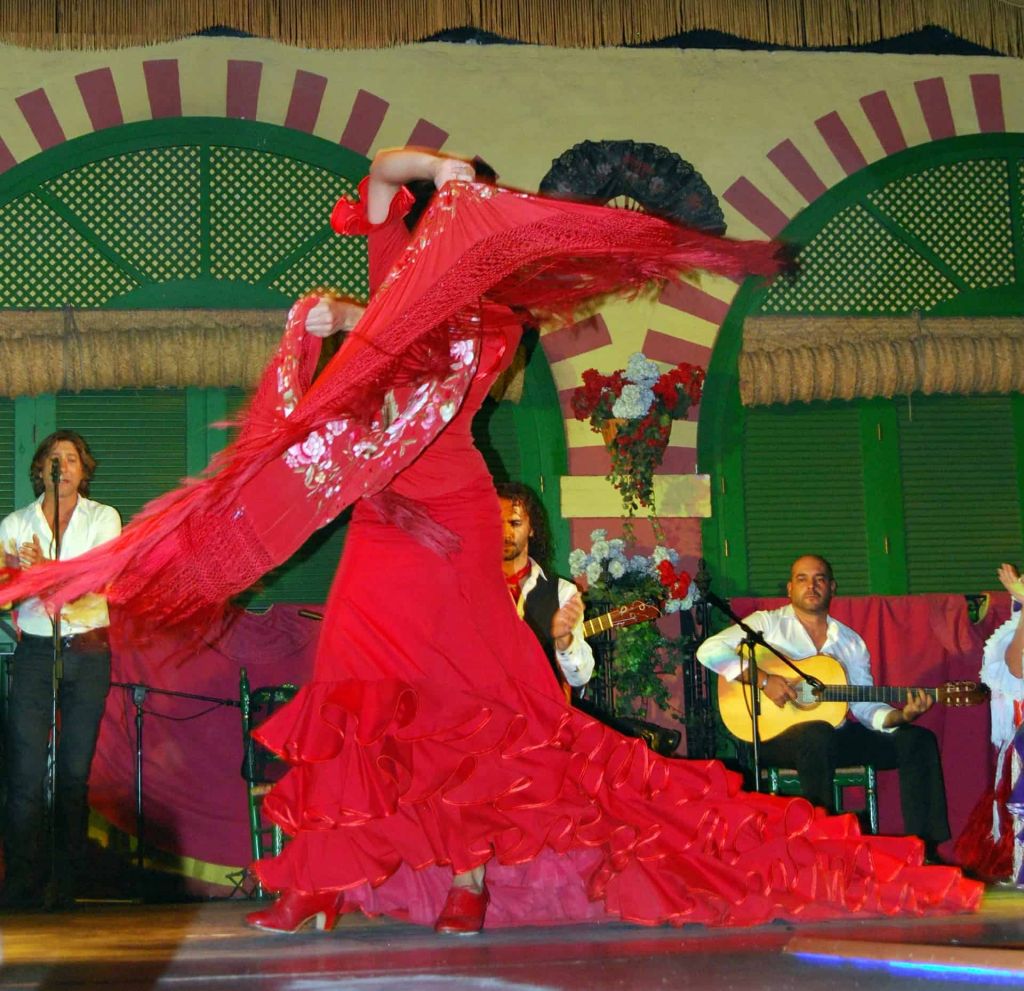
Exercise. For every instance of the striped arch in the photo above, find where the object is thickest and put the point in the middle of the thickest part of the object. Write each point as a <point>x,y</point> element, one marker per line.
<point>104,96</point>
<point>853,153</point>
<point>894,122</point>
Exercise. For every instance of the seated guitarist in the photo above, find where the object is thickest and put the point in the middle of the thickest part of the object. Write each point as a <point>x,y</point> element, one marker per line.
<point>551,606</point>
<point>878,734</point>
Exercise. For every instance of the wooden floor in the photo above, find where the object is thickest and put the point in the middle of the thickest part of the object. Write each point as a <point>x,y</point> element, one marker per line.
<point>205,945</point>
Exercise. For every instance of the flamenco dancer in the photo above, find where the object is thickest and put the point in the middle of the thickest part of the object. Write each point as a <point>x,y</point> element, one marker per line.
<point>434,743</point>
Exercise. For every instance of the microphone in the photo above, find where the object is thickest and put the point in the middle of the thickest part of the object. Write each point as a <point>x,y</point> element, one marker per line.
<point>55,470</point>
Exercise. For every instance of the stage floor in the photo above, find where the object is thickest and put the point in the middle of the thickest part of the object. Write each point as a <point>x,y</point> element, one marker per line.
<point>204,945</point>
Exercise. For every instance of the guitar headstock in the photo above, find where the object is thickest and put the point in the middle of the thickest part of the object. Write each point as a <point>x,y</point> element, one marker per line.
<point>633,612</point>
<point>961,693</point>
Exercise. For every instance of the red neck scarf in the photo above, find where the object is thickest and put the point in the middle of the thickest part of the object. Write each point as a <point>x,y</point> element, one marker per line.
<point>515,581</point>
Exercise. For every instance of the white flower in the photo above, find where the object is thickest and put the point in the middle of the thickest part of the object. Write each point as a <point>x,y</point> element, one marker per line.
<point>639,564</point>
<point>617,546</point>
<point>660,554</point>
<point>633,403</point>
<point>578,561</point>
<point>599,551</point>
<point>616,568</point>
<point>641,370</point>
<point>307,452</point>
<point>593,572</point>
<point>598,535</point>
<point>462,352</point>
<point>364,449</point>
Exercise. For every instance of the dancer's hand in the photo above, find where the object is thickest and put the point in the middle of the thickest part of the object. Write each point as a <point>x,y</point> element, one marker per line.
<point>331,315</point>
<point>1011,581</point>
<point>453,169</point>
<point>564,622</point>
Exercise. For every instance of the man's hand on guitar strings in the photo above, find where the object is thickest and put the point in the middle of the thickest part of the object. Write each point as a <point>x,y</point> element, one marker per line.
<point>776,688</point>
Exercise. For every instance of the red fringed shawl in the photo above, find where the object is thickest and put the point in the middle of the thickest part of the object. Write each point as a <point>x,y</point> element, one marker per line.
<point>307,450</point>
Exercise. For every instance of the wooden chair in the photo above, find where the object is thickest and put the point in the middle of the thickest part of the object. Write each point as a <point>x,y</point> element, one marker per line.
<point>786,781</point>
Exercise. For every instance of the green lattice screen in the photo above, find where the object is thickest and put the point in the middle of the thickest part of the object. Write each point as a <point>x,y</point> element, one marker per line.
<point>205,208</point>
<point>936,230</point>
<point>175,214</point>
<point>918,241</point>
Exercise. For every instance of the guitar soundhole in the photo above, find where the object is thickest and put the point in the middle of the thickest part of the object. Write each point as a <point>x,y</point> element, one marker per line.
<point>805,697</point>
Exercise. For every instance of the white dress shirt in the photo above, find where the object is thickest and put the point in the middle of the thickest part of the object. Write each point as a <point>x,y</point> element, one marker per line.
<point>577,663</point>
<point>782,629</point>
<point>91,524</point>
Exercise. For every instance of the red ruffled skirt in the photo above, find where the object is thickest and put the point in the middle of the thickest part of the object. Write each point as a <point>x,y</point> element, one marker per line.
<point>434,738</point>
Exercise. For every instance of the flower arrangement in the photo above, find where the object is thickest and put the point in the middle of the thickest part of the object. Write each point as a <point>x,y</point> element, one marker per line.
<point>615,578</point>
<point>633,409</point>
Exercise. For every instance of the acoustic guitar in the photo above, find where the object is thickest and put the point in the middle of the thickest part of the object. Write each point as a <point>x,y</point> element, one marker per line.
<point>627,615</point>
<point>828,704</point>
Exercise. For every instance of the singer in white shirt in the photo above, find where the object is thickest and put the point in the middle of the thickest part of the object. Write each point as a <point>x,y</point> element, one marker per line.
<point>60,471</point>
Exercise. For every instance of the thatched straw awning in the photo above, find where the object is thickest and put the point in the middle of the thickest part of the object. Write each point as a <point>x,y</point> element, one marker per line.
<point>53,351</point>
<point>62,24</point>
<point>800,359</point>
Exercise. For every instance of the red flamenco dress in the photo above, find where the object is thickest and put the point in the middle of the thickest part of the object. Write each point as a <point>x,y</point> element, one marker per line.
<point>433,737</point>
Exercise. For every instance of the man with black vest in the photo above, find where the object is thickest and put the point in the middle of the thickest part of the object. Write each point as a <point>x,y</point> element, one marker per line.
<point>551,606</point>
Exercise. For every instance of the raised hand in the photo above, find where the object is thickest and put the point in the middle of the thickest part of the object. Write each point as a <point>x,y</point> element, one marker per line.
<point>331,315</point>
<point>1011,581</point>
<point>564,622</point>
<point>453,169</point>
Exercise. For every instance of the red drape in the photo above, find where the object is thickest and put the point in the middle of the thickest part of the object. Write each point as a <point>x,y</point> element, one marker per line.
<point>924,641</point>
<point>194,795</point>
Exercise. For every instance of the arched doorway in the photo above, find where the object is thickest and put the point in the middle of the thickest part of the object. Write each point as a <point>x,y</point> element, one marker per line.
<point>916,493</point>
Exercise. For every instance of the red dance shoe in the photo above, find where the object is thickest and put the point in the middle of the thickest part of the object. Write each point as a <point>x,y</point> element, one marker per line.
<point>293,909</point>
<point>463,912</point>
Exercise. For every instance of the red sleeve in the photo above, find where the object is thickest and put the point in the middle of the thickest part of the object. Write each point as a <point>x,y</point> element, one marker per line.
<point>349,216</point>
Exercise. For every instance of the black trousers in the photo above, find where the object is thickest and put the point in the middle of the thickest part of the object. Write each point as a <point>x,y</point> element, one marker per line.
<point>816,749</point>
<point>83,692</point>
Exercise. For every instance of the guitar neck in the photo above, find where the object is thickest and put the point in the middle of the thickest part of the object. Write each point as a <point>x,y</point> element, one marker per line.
<point>599,624</point>
<point>871,693</point>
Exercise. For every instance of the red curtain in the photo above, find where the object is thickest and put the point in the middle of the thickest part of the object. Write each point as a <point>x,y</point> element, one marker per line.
<point>192,750</point>
<point>194,795</point>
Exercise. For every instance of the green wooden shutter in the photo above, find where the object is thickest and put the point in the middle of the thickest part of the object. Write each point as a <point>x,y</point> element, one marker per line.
<point>7,457</point>
<point>804,493</point>
<point>137,437</point>
<point>494,433</point>
<point>306,576</point>
<point>961,501</point>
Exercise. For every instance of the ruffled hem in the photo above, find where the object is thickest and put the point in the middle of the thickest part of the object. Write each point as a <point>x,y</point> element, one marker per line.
<point>393,789</point>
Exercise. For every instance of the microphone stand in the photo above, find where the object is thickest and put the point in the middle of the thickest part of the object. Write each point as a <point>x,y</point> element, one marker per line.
<point>139,693</point>
<point>56,681</point>
<point>753,639</point>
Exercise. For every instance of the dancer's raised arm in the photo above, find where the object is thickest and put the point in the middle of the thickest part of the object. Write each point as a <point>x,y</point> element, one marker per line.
<point>393,168</point>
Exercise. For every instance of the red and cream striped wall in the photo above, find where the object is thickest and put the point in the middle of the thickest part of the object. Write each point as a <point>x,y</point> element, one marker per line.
<point>770,132</point>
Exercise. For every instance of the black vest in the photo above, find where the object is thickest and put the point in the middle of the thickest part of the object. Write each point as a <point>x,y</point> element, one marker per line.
<point>541,606</point>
